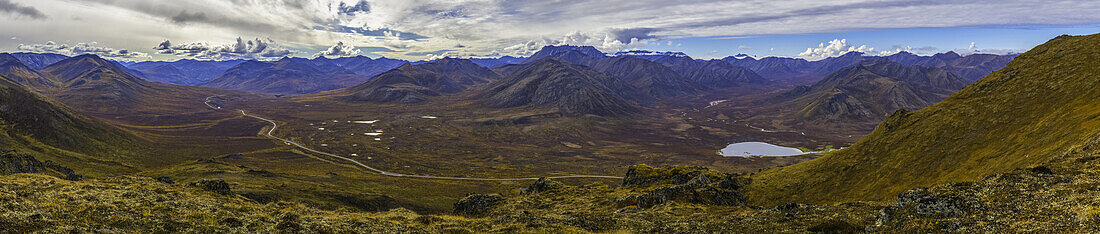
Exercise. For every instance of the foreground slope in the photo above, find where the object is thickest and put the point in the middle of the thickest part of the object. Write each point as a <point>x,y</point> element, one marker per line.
<point>1036,108</point>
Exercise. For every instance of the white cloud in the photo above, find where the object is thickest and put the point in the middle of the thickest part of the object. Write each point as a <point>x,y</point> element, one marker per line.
<point>83,48</point>
<point>603,41</point>
<point>744,48</point>
<point>836,47</point>
<point>259,49</point>
<point>974,49</point>
<point>339,50</point>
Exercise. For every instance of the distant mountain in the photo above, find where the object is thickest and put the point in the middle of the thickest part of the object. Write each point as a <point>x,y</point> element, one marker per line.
<point>801,71</point>
<point>416,83</point>
<point>649,55</point>
<point>650,78</point>
<point>37,61</point>
<point>368,67</point>
<point>96,83</point>
<point>568,53</point>
<point>712,73</point>
<point>570,89</point>
<point>286,76</point>
<point>184,71</point>
<point>670,74</point>
<point>13,69</point>
<point>973,67</point>
<point>872,89</point>
<point>1038,108</point>
<point>493,63</point>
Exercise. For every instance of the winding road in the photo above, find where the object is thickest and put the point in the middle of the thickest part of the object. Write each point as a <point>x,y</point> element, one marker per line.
<point>274,125</point>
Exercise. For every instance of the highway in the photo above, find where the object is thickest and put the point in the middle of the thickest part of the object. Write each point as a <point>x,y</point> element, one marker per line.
<point>274,125</point>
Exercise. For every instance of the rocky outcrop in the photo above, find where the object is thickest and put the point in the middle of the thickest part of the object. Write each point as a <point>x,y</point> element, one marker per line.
<point>543,185</point>
<point>684,184</point>
<point>12,163</point>
<point>477,204</point>
<point>218,186</point>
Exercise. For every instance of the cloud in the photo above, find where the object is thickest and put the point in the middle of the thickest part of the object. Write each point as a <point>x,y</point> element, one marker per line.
<point>836,47</point>
<point>19,10</point>
<point>83,48</point>
<point>339,50</point>
<point>608,42</point>
<point>744,48</point>
<point>927,50</point>
<point>974,49</point>
<point>259,49</point>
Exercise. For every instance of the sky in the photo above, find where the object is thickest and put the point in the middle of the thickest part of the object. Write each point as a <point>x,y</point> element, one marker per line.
<point>138,30</point>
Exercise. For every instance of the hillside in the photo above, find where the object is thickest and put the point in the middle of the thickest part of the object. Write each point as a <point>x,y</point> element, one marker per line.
<point>1038,107</point>
<point>32,123</point>
<point>571,89</point>
<point>88,82</point>
<point>416,83</point>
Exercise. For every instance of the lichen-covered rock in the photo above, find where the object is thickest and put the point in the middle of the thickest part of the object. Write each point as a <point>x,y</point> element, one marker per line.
<point>543,185</point>
<point>700,190</point>
<point>476,204</point>
<point>12,163</point>
<point>218,186</point>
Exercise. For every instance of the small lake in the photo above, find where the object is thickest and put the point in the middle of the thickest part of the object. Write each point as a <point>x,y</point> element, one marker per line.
<point>759,149</point>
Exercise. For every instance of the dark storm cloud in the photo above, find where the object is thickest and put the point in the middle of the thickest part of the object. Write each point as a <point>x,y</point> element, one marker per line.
<point>8,7</point>
<point>361,7</point>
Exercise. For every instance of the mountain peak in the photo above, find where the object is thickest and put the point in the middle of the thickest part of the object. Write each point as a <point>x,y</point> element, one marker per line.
<point>548,51</point>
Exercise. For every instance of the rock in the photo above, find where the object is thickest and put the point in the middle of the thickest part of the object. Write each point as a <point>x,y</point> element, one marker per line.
<point>644,175</point>
<point>13,163</point>
<point>699,190</point>
<point>543,185</point>
<point>166,180</point>
<point>477,204</point>
<point>218,186</point>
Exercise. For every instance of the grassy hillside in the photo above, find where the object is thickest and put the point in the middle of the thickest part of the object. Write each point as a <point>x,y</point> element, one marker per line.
<point>34,124</point>
<point>1040,105</point>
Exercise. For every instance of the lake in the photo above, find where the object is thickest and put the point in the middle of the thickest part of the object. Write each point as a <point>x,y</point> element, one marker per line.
<point>758,149</point>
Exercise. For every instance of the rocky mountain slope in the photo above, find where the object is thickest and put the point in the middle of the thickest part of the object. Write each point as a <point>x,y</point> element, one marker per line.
<point>872,89</point>
<point>571,89</point>
<point>37,61</point>
<point>1042,105</point>
<point>14,69</point>
<point>416,83</point>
